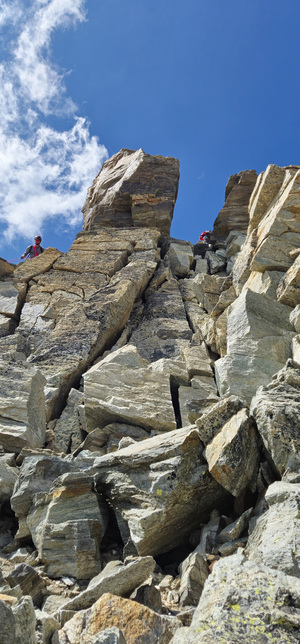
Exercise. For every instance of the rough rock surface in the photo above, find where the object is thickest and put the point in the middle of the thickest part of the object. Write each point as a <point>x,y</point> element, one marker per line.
<point>137,623</point>
<point>243,601</point>
<point>120,194</point>
<point>149,420</point>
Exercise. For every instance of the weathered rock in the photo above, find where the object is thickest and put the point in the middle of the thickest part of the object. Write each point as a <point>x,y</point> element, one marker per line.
<point>216,263</point>
<point>278,231</point>
<point>136,622</point>
<point>276,410</point>
<point>296,349</point>
<point>295,318</point>
<point>201,265</point>
<point>11,298</point>
<point>234,214</point>
<point>234,530</point>
<point>192,400</point>
<point>289,289</point>
<point>111,635</point>
<point>133,189</point>
<point>6,268</point>
<point>194,572</point>
<point>243,601</point>
<point>41,264</point>
<point>141,396</point>
<point>160,490</point>
<point>252,356</point>
<point>22,407</point>
<point>149,596</point>
<point>212,420</point>
<point>265,283</point>
<point>67,525</point>
<point>8,477</point>
<point>30,582</point>
<point>17,621</point>
<point>207,289</point>
<point>233,454</point>
<point>36,475</point>
<point>180,257</point>
<point>68,434</point>
<point>117,578</point>
<point>46,626</point>
<point>274,538</point>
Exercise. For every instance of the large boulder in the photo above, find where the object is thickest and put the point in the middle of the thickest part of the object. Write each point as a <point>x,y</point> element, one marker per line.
<point>67,525</point>
<point>124,388</point>
<point>160,490</point>
<point>136,622</point>
<point>133,189</point>
<point>117,578</point>
<point>245,602</point>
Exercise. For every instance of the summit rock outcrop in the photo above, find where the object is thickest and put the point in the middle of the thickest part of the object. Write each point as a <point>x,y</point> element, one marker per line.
<point>149,419</point>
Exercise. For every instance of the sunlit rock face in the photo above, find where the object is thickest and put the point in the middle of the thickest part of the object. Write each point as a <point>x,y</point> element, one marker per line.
<point>149,406</point>
<point>133,189</point>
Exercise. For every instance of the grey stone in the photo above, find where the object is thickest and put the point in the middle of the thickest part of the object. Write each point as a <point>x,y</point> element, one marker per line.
<point>180,257</point>
<point>234,530</point>
<point>274,538</point>
<point>233,454</point>
<point>141,395</point>
<point>67,525</point>
<point>117,578</point>
<point>29,581</point>
<point>36,475</point>
<point>212,420</point>
<point>8,477</point>
<point>276,410</point>
<point>22,407</point>
<point>146,481</point>
<point>243,601</point>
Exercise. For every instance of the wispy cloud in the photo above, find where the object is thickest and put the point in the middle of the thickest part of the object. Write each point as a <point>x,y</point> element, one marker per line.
<point>43,172</point>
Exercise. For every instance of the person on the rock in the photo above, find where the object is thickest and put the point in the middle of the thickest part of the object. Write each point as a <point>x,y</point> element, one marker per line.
<point>34,250</point>
<point>205,236</point>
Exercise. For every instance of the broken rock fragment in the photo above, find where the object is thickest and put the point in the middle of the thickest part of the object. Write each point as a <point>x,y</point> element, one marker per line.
<point>233,455</point>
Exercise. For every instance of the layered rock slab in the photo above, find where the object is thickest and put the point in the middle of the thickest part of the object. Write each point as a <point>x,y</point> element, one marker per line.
<point>22,407</point>
<point>259,336</point>
<point>160,490</point>
<point>133,189</point>
<point>124,388</point>
<point>67,525</point>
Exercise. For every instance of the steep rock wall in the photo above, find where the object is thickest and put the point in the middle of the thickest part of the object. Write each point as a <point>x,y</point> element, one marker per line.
<point>150,403</point>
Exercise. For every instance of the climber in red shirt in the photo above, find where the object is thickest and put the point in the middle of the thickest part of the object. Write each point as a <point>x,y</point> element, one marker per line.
<point>204,237</point>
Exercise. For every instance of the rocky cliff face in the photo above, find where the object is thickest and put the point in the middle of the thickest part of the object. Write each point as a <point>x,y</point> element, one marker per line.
<point>149,420</point>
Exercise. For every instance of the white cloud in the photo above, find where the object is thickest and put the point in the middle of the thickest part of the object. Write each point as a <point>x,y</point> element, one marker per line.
<point>44,173</point>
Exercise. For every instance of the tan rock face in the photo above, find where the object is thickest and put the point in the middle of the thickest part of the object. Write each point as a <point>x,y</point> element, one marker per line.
<point>234,214</point>
<point>133,189</point>
<point>137,623</point>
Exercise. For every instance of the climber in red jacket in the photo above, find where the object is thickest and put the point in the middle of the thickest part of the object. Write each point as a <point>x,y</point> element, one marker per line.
<point>205,236</point>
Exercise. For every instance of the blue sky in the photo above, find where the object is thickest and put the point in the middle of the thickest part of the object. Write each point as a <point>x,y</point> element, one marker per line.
<point>214,83</point>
